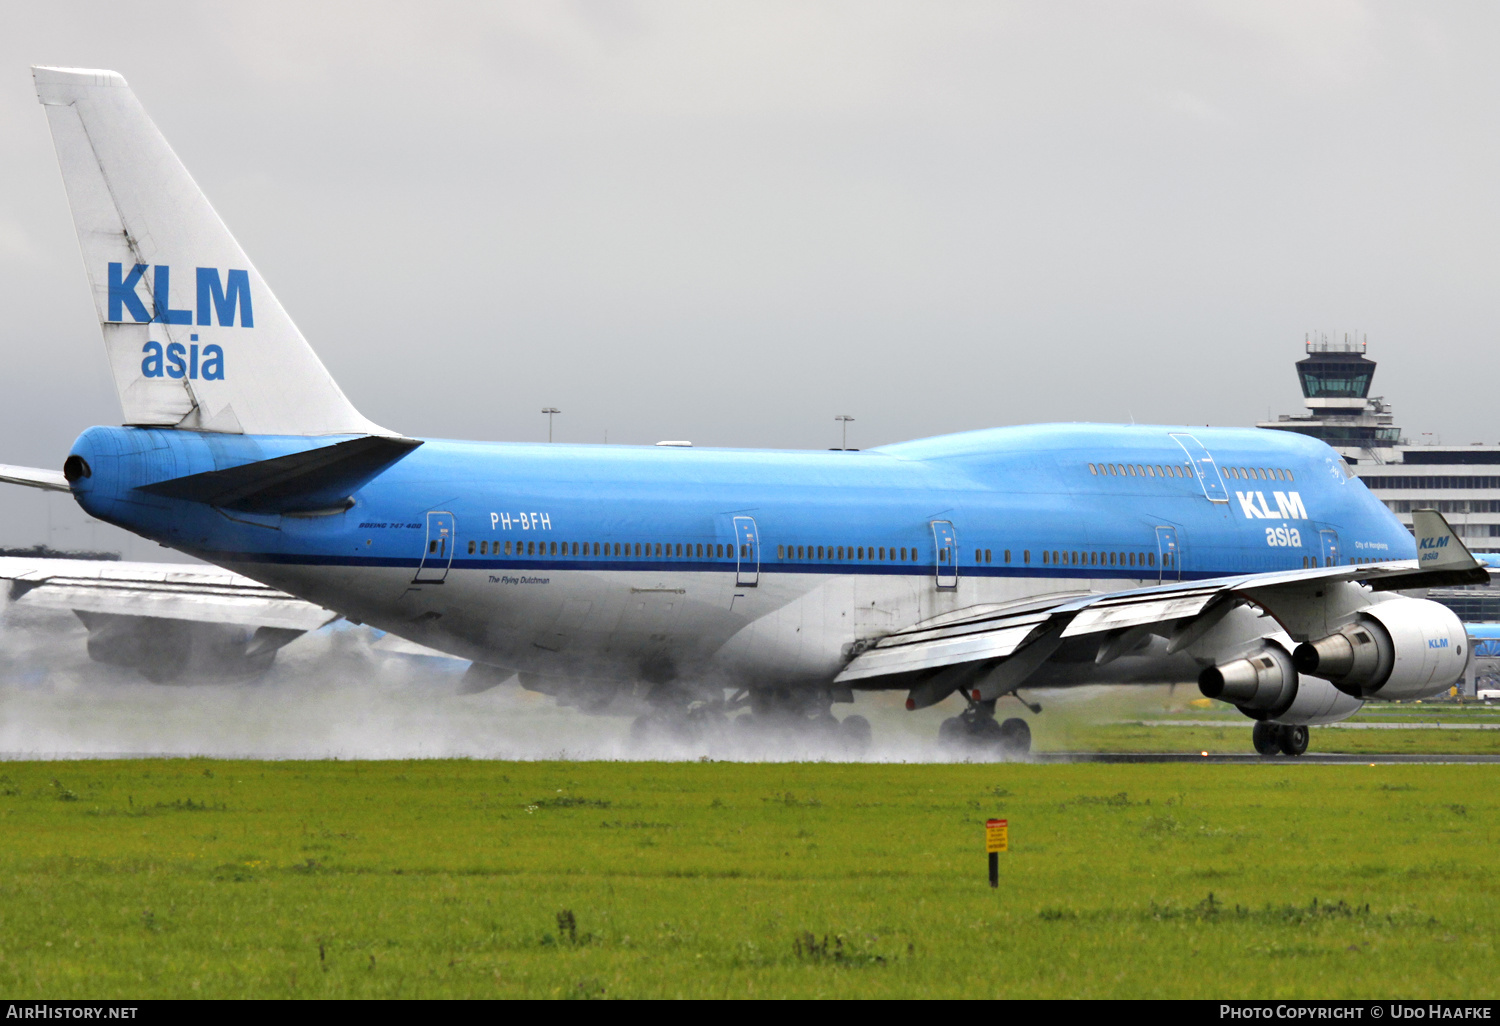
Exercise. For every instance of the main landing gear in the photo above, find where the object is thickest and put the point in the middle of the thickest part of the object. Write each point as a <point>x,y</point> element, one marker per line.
<point>977,732</point>
<point>1280,739</point>
<point>769,719</point>
<point>778,715</point>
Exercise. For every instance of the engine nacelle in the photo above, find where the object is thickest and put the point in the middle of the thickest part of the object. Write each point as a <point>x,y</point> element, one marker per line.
<point>1404,648</point>
<point>1266,686</point>
<point>177,651</point>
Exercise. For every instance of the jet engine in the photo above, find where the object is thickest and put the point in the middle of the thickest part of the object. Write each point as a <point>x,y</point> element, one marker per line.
<point>1265,685</point>
<point>1401,649</point>
<point>179,651</point>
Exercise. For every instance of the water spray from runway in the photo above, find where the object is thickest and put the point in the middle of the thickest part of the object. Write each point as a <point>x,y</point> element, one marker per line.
<point>335,695</point>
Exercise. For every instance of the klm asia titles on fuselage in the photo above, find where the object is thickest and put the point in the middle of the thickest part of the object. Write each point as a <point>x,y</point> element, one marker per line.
<point>220,298</point>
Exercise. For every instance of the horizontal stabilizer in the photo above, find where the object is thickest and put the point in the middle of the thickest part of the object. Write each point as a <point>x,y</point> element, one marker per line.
<point>302,482</point>
<point>33,477</point>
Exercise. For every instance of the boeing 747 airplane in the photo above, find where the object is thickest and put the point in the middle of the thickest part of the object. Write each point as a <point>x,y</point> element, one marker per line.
<point>1250,562</point>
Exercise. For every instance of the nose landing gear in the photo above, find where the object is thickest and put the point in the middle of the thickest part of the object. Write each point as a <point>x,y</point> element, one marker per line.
<point>1280,739</point>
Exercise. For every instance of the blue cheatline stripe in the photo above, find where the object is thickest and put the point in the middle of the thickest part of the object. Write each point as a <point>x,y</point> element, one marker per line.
<point>641,566</point>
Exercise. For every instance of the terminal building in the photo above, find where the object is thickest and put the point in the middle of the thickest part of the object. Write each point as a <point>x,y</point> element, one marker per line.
<point>1460,482</point>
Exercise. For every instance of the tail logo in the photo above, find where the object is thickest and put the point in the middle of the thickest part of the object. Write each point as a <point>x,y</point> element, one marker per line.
<point>180,361</point>
<point>219,299</point>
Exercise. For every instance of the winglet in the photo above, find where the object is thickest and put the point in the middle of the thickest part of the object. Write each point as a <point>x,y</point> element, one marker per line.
<point>1438,547</point>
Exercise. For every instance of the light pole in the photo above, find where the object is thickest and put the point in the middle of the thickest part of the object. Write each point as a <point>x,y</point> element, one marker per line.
<point>549,411</point>
<point>844,420</point>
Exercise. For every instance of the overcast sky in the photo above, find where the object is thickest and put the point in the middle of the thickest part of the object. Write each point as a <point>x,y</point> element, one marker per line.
<point>728,222</point>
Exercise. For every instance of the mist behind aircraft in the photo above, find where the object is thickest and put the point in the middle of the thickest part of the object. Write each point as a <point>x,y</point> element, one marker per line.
<point>332,695</point>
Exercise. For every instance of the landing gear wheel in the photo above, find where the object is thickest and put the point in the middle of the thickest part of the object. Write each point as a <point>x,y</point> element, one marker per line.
<point>854,733</point>
<point>1292,740</point>
<point>1266,737</point>
<point>952,732</point>
<point>1015,738</point>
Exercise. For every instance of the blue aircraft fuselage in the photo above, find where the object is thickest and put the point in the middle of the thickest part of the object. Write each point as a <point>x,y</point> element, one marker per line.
<point>551,558</point>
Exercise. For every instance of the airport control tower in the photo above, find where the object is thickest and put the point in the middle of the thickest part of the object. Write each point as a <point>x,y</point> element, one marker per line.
<point>1335,379</point>
<point>1462,482</point>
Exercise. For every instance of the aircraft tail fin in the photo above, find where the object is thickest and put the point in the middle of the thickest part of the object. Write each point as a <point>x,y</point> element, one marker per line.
<point>195,338</point>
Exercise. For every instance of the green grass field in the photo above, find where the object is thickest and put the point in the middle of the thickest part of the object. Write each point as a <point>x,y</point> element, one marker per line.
<point>182,878</point>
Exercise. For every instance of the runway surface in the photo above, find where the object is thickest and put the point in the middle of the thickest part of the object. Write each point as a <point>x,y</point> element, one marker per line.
<point>1360,725</point>
<point>1310,759</point>
<point>1044,758</point>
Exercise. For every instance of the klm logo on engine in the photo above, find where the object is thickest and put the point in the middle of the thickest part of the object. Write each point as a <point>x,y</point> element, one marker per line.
<point>1288,506</point>
<point>1437,642</point>
<point>220,300</point>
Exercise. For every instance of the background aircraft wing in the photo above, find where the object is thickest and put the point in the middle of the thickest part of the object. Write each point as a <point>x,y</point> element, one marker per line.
<point>33,477</point>
<point>1183,611</point>
<point>170,591</point>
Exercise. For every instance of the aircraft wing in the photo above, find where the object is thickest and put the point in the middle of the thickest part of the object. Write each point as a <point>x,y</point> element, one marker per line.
<point>33,477</point>
<point>171,591</point>
<point>1184,611</point>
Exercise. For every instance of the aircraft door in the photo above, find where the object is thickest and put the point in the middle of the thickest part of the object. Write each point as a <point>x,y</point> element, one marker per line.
<point>946,543</point>
<point>1168,555</point>
<point>1330,547</point>
<point>1204,467</point>
<point>747,552</point>
<point>438,554</point>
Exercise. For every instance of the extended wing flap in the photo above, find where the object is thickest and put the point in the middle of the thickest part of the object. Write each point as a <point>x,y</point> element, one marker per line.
<point>1107,614</point>
<point>144,589</point>
<point>884,662</point>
